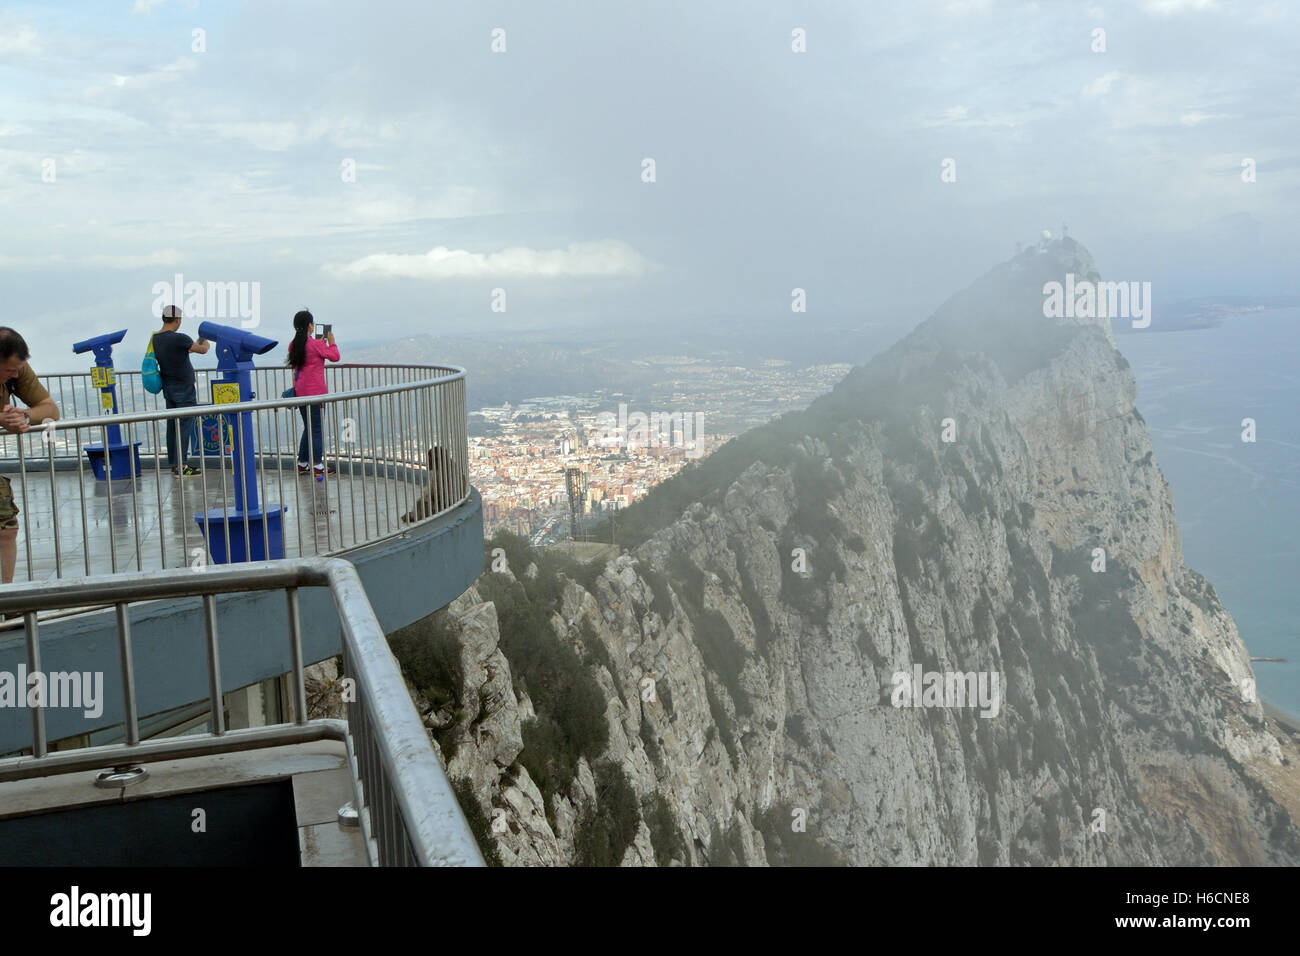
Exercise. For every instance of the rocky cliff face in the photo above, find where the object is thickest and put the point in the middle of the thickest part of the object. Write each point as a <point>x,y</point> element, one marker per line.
<point>980,499</point>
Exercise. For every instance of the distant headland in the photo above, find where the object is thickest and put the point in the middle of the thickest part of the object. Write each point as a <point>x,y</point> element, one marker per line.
<point>1209,312</point>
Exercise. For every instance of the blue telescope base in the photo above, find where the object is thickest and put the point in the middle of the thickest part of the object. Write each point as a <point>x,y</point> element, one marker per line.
<point>265,542</point>
<point>121,456</point>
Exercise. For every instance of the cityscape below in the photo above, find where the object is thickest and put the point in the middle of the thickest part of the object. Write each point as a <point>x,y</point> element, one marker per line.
<point>519,453</point>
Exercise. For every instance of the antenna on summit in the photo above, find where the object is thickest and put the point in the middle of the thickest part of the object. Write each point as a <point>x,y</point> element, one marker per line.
<point>1065,230</point>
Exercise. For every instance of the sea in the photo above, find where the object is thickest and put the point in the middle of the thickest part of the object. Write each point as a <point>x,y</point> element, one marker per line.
<point>1238,502</point>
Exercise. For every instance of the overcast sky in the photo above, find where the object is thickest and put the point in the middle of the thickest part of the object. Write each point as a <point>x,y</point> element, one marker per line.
<point>222,156</point>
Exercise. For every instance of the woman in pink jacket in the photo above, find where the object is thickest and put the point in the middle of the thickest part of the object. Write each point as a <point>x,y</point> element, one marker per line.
<point>307,356</point>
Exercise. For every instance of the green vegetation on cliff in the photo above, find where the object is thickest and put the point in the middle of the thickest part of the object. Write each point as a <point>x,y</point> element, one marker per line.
<point>569,702</point>
<point>607,829</point>
<point>428,653</point>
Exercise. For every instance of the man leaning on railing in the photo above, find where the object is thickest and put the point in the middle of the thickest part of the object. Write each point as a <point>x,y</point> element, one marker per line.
<point>20,380</point>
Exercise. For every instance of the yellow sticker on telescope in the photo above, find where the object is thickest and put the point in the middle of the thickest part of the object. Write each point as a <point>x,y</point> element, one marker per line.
<point>225,393</point>
<point>101,376</point>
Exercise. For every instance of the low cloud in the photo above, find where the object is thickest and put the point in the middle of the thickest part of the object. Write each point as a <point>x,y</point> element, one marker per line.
<point>965,118</point>
<point>961,8</point>
<point>1101,85</point>
<point>150,81</point>
<point>605,257</point>
<point>17,38</point>
<point>165,257</point>
<point>1195,118</point>
<point>1167,8</point>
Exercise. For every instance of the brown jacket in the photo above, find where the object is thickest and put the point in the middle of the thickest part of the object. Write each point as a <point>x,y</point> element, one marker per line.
<point>27,387</point>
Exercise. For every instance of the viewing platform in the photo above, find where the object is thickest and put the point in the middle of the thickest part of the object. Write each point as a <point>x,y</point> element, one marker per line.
<point>130,574</point>
<point>383,426</point>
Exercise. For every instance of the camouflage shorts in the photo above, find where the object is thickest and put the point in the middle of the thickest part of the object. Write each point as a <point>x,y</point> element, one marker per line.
<point>8,509</point>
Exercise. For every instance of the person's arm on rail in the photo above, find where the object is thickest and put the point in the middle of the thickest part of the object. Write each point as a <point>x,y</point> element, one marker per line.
<point>40,406</point>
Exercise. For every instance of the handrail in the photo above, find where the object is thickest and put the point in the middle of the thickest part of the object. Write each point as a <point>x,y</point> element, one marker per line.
<point>130,418</point>
<point>400,458</point>
<point>408,810</point>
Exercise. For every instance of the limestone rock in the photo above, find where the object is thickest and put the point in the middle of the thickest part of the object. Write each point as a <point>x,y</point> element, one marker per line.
<point>755,701</point>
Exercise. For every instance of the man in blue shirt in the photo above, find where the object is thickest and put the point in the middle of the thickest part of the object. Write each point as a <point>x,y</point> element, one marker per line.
<point>172,348</point>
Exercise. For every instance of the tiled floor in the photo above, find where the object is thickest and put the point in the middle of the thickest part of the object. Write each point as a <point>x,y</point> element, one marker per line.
<point>149,523</point>
<point>322,840</point>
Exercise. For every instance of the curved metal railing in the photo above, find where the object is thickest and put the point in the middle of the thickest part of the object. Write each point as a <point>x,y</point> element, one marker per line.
<point>395,436</point>
<point>407,808</point>
<point>78,397</point>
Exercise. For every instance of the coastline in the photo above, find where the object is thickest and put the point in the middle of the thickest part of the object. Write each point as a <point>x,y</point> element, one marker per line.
<point>1288,721</point>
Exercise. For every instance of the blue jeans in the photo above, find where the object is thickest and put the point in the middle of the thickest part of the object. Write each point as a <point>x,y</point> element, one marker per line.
<point>181,430</point>
<point>317,438</point>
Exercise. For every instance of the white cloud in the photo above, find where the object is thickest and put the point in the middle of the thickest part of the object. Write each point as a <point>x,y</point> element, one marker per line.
<point>277,136</point>
<point>144,82</point>
<point>29,262</point>
<point>25,166</point>
<point>166,257</point>
<point>1195,117</point>
<point>147,7</point>
<point>1155,102</point>
<point>961,8</point>
<point>1102,84</point>
<point>17,39</point>
<point>1019,116</point>
<point>270,136</point>
<point>605,257</point>
<point>963,117</point>
<point>1267,13</point>
<point>1168,8</point>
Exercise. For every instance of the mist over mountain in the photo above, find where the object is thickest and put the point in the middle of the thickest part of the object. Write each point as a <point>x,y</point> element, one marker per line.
<point>980,499</point>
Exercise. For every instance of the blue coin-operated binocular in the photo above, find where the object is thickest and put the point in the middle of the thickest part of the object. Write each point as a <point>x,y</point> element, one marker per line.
<point>120,459</point>
<point>253,533</point>
<point>235,346</point>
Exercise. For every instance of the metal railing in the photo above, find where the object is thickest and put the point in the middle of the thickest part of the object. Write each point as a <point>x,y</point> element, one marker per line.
<point>407,808</point>
<point>400,456</point>
<point>78,397</point>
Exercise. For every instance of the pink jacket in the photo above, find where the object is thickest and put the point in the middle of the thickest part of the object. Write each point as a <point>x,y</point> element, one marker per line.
<point>310,379</point>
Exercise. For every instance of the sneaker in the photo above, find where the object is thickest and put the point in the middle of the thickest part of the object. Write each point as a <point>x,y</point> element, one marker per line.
<point>303,469</point>
<point>325,470</point>
<point>187,472</point>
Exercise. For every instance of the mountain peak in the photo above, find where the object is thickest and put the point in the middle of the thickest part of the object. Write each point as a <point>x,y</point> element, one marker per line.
<point>1009,303</point>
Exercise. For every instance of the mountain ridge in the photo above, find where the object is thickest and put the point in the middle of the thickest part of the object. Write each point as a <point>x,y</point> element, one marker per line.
<point>769,682</point>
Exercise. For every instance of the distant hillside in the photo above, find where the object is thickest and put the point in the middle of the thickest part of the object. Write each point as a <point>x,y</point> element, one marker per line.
<point>1209,312</point>
<point>512,371</point>
<point>515,366</point>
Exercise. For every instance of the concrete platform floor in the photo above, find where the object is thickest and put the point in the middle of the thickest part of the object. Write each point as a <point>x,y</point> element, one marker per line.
<point>148,523</point>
